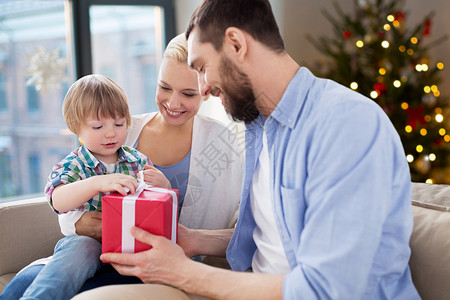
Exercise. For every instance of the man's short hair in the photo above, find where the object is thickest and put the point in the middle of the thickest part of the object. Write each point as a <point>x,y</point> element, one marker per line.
<point>255,17</point>
<point>94,96</point>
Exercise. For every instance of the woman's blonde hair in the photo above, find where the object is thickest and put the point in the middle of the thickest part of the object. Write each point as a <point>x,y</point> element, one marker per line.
<point>177,49</point>
<point>94,96</point>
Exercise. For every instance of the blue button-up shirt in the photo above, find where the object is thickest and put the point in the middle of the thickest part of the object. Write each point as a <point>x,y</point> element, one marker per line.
<point>341,194</point>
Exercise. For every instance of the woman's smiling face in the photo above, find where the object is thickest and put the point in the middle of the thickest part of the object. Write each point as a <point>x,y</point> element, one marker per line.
<point>177,94</point>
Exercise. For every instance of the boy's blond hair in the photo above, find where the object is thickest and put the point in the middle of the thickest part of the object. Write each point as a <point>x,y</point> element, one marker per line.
<point>177,49</point>
<point>94,96</point>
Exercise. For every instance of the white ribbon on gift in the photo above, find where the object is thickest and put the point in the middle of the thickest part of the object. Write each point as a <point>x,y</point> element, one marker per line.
<point>129,213</point>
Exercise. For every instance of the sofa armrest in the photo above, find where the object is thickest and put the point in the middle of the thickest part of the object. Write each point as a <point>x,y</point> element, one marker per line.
<point>29,230</point>
<point>430,240</point>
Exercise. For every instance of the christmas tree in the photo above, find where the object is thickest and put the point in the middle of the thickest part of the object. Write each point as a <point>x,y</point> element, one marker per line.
<point>374,53</point>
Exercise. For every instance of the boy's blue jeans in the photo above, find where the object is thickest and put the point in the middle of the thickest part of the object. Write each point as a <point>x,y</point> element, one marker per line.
<point>106,275</point>
<point>75,259</point>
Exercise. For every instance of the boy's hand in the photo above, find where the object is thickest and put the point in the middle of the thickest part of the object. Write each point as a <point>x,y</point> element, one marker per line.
<point>66,197</point>
<point>116,182</point>
<point>155,177</point>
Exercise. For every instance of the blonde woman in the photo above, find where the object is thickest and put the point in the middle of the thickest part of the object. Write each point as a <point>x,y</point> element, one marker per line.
<point>199,155</point>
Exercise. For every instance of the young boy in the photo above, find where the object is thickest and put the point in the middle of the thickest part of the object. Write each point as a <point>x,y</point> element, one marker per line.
<point>96,109</point>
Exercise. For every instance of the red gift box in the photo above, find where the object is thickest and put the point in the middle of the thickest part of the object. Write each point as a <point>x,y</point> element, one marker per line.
<point>154,210</point>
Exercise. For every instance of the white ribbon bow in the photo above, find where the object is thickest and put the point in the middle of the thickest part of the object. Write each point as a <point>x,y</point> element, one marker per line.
<point>129,213</point>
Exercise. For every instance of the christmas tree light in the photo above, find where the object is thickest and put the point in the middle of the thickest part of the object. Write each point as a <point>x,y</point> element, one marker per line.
<point>373,52</point>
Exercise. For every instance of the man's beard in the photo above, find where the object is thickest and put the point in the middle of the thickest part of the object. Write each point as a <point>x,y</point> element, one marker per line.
<point>239,99</point>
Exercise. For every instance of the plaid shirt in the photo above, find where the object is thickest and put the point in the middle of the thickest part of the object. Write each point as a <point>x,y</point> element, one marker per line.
<point>81,164</point>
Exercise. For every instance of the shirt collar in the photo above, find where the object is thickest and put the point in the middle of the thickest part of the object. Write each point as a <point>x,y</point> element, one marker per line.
<point>287,112</point>
<point>87,157</point>
<point>91,161</point>
<point>258,122</point>
<point>126,154</point>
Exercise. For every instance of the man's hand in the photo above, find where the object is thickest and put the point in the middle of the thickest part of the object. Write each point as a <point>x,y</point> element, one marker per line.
<point>90,224</point>
<point>167,264</point>
<point>161,264</point>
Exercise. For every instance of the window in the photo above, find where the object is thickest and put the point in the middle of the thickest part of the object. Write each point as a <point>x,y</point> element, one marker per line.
<point>44,47</point>
<point>3,100</point>
<point>32,99</point>
<point>124,40</point>
<point>35,182</point>
<point>150,76</point>
<point>7,188</point>
<point>32,35</point>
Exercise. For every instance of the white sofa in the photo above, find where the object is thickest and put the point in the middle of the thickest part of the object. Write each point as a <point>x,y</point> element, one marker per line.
<point>29,230</point>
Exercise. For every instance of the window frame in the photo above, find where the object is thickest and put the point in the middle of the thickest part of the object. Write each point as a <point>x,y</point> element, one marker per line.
<point>82,33</point>
<point>3,93</point>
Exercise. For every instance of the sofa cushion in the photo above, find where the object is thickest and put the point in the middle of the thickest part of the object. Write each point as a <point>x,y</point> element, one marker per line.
<point>4,280</point>
<point>28,231</point>
<point>430,240</point>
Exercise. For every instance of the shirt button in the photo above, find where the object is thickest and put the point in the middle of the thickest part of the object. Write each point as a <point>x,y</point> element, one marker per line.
<point>282,125</point>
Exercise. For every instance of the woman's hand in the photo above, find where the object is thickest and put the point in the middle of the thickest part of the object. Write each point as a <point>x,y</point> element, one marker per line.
<point>155,177</point>
<point>90,224</point>
<point>186,240</point>
<point>204,242</point>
